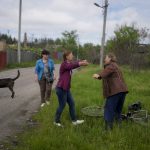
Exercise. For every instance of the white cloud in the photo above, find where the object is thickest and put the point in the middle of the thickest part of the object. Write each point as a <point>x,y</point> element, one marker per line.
<point>46,17</point>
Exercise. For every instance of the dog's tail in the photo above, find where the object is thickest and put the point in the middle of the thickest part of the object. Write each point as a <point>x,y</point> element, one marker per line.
<point>17,76</point>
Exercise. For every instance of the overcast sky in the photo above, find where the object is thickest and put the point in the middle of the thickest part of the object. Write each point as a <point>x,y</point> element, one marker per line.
<point>49,18</point>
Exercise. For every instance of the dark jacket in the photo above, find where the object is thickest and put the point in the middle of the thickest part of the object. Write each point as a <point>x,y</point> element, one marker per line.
<point>65,72</point>
<point>113,82</point>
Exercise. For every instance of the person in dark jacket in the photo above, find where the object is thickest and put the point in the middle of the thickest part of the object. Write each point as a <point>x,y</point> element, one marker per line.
<point>63,88</point>
<point>114,90</point>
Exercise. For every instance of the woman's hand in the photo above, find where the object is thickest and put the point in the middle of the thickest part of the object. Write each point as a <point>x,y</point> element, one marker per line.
<point>96,76</point>
<point>36,77</point>
<point>83,63</point>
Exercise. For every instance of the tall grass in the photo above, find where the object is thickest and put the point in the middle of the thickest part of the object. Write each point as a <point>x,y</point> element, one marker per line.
<point>91,135</point>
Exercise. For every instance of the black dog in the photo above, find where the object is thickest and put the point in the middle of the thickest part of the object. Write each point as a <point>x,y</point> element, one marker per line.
<point>9,82</point>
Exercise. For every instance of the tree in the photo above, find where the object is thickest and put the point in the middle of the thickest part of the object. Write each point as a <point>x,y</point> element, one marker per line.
<point>128,46</point>
<point>58,41</point>
<point>124,42</point>
<point>69,41</point>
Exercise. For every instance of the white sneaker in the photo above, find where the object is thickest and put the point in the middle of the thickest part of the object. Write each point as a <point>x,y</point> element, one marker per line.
<point>47,102</point>
<point>42,105</point>
<point>58,124</point>
<point>77,122</point>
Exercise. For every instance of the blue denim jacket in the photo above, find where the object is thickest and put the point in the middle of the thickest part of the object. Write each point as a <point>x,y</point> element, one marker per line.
<point>39,68</point>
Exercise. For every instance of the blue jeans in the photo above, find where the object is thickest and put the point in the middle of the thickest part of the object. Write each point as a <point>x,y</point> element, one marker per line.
<point>113,107</point>
<point>63,98</point>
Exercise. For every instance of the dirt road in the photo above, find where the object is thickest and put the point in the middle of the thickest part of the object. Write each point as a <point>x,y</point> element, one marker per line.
<point>15,112</point>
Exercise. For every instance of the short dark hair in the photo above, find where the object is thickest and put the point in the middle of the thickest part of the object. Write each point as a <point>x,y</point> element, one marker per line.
<point>45,52</point>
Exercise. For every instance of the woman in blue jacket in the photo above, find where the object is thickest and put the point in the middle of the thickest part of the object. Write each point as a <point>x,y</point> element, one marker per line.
<point>44,74</point>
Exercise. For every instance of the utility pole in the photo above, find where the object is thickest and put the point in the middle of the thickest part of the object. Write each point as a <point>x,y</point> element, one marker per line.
<point>19,31</point>
<point>104,29</point>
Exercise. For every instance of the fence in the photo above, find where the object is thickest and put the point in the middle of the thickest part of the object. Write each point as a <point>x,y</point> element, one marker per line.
<point>10,57</point>
<point>26,56</point>
<point>3,59</point>
<point>57,55</point>
<point>3,56</point>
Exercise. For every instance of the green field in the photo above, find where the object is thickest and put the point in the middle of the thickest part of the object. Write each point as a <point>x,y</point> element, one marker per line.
<point>21,65</point>
<point>90,135</point>
<point>26,64</point>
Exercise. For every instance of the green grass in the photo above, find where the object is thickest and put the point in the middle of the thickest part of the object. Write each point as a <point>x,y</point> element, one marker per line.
<point>91,135</point>
<point>21,65</point>
<point>26,64</point>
